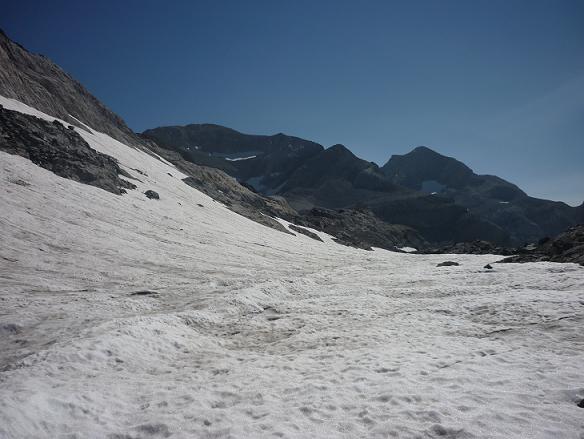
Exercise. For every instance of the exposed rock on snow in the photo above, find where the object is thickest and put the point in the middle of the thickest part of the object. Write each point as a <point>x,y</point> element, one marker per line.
<point>60,150</point>
<point>305,232</point>
<point>448,264</point>
<point>143,293</point>
<point>152,194</point>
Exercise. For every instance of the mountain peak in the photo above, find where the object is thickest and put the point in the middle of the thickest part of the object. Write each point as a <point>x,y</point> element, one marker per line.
<point>339,148</point>
<point>424,164</point>
<point>423,149</point>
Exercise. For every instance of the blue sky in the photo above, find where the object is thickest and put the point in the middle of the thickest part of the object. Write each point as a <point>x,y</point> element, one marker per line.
<point>497,84</point>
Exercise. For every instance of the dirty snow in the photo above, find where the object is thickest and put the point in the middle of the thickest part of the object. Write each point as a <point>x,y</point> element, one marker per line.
<point>241,331</point>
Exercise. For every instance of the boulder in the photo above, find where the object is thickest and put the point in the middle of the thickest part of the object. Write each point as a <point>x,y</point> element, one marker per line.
<point>448,264</point>
<point>152,195</point>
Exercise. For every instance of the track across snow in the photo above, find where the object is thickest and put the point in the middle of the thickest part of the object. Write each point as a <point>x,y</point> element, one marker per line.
<point>124,317</point>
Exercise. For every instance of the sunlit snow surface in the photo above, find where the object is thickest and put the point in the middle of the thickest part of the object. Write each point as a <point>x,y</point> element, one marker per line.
<point>257,334</point>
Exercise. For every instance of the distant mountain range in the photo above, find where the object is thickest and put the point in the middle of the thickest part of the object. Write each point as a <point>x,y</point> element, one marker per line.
<point>415,198</point>
<point>437,195</point>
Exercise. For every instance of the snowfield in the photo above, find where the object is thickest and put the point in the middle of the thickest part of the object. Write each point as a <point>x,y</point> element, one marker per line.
<point>241,331</point>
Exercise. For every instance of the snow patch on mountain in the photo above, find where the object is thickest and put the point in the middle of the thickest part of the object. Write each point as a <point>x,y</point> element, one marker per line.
<point>238,159</point>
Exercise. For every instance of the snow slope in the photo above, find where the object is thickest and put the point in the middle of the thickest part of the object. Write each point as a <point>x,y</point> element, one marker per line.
<point>253,333</point>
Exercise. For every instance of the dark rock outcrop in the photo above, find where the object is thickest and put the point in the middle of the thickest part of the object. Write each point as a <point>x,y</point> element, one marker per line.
<point>52,146</point>
<point>359,228</point>
<point>152,195</point>
<point>470,248</point>
<point>448,264</point>
<point>566,247</point>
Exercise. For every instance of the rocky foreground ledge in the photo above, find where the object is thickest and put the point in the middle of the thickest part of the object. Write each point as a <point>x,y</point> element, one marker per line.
<point>566,247</point>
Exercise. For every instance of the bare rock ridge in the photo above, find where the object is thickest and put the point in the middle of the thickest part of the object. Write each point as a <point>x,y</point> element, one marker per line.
<point>59,149</point>
<point>38,82</point>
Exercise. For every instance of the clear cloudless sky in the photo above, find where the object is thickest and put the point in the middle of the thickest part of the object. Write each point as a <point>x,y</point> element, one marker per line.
<point>498,84</point>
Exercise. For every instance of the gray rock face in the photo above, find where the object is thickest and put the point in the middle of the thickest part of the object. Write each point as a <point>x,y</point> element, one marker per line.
<point>60,150</point>
<point>38,82</point>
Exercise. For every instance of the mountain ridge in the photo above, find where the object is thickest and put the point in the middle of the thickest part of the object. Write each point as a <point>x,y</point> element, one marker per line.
<point>481,206</point>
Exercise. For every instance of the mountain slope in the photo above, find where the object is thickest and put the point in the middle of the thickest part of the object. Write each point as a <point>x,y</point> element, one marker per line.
<point>38,82</point>
<point>308,176</point>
